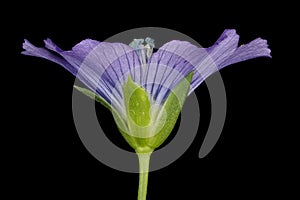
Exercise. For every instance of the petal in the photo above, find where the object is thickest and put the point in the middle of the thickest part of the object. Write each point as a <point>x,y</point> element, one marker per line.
<point>70,60</point>
<point>216,54</point>
<point>168,66</point>
<point>32,50</point>
<point>76,57</point>
<point>226,52</point>
<point>176,59</point>
<point>254,49</point>
<point>77,54</point>
<point>107,67</point>
<point>52,46</point>
<point>102,67</point>
<point>224,46</point>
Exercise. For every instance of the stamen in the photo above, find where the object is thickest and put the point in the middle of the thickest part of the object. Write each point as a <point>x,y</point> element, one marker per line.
<point>149,47</point>
<point>144,51</point>
<point>137,44</point>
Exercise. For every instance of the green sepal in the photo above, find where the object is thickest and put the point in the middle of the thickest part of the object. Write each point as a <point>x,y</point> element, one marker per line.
<point>137,103</point>
<point>172,108</point>
<point>162,120</point>
<point>138,110</point>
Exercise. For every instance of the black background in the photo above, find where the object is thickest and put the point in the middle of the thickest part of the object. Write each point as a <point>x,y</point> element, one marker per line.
<point>50,160</point>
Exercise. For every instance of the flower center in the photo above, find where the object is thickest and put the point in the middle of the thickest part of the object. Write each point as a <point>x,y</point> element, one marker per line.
<point>144,51</point>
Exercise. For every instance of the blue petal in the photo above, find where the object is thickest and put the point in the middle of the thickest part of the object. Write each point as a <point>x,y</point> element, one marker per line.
<point>254,49</point>
<point>226,52</point>
<point>107,66</point>
<point>168,66</point>
<point>176,59</point>
<point>102,67</point>
<point>32,50</point>
<point>223,47</point>
<point>78,53</point>
<point>75,57</point>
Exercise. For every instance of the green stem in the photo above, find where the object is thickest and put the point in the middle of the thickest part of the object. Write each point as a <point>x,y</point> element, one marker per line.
<point>144,160</point>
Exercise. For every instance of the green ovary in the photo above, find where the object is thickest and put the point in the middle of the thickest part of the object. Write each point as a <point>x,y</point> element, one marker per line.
<point>139,108</point>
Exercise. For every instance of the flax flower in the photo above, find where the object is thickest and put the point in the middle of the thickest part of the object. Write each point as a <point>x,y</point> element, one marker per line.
<point>144,90</point>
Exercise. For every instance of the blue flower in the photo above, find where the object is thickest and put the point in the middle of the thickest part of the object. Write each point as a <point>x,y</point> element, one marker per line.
<point>138,86</point>
<point>104,67</point>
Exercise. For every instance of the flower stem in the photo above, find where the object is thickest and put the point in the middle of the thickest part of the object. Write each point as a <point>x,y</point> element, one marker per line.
<point>144,160</point>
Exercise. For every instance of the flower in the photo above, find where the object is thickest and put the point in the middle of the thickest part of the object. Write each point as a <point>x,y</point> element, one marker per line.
<point>105,67</point>
<point>107,63</point>
<point>138,86</point>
